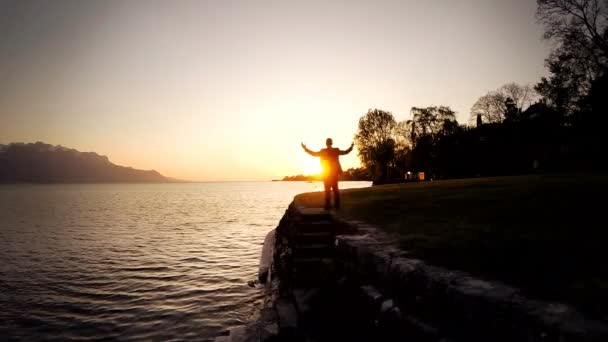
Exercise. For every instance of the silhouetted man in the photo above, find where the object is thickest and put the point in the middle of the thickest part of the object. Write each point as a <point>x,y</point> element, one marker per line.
<point>331,169</point>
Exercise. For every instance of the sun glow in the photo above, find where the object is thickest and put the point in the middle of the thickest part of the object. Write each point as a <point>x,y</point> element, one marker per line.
<point>311,166</point>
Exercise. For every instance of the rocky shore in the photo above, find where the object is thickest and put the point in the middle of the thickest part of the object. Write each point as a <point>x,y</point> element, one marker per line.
<point>327,278</point>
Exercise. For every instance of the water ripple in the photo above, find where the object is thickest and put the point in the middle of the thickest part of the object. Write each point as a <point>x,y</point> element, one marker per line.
<point>133,261</point>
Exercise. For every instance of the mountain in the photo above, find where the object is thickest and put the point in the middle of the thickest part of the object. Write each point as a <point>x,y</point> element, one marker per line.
<point>44,163</point>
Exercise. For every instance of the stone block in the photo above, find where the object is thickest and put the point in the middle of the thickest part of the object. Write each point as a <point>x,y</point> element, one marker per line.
<point>268,315</point>
<point>464,307</point>
<point>238,334</point>
<point>269,331</point>
<point>286,314</point>
<point>304,298</point>
<point>371,296</point>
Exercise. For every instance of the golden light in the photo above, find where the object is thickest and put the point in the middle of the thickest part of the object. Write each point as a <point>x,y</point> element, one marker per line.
<point>312,166</point>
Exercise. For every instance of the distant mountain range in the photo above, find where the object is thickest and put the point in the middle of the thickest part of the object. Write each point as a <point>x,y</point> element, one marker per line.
<point>44,163</point>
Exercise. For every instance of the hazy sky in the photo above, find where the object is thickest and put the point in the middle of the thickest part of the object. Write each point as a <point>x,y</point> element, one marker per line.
<point>226,90</point>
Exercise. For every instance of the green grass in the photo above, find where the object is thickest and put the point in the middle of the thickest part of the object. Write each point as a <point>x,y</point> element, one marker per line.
<point>546,234</point>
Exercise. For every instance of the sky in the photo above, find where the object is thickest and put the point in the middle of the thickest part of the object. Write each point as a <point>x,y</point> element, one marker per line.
<point>227,90</point>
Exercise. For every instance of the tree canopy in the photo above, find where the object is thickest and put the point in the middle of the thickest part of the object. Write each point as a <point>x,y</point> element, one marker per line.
<point>375,140</point>
<point>556,125</point>
<point>580,29</point>
<point>510,100</point>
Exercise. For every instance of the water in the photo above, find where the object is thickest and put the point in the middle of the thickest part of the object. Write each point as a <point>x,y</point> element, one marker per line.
<point>134,261</point>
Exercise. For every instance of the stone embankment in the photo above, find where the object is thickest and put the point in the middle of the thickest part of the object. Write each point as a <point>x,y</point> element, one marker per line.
<point>334,279</point>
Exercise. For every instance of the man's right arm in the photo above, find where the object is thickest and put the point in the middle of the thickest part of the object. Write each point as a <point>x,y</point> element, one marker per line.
<point>312,153</point>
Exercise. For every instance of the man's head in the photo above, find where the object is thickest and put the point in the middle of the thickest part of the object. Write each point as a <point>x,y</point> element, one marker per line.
<point>329,142</point>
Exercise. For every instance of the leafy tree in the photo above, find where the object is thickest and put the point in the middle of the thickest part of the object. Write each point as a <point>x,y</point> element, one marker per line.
<point>509,100</point>
<point>356,174</point>
<point>375,140</point>
<point>579,26</point>
<point>426,129</point>
<point>401,162</point>
<point>568,84</point>
<point>489,107</point>
<point>521,95</point>
<point>580,29</point>
<point>431,121</point>
<point>423,154</point>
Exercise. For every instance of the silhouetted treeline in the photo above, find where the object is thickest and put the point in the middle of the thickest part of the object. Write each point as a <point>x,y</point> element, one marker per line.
<point>352,174</point>
<point>356,174</point>
<point>301,177</point>
<point>557,125</point>
<point>536,142</point>
<point>539,139</point>
<point>44,163</point>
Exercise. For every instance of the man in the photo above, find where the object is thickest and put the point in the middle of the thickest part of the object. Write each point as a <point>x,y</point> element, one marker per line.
<point>331,169</point>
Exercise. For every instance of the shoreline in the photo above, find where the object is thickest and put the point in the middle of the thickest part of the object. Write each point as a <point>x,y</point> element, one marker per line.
<point>404,296</point>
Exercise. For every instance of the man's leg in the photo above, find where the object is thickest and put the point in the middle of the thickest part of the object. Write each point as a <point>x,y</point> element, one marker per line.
<point>327,186</point>
<point>336,194</point>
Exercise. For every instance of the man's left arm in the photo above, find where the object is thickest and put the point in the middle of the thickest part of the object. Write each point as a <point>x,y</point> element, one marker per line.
<point>348,150</point>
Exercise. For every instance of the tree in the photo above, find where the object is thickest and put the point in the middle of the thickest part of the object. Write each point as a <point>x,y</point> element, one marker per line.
<point>581,24</point>
<point>375,140</point>
<point>566,86</point>
<point>355,174</point>
<point>521,96</point>
<point>431,120</point>
<point>580,28</point>
<point>509,100</point>
<point>401,160</point>
<point>489,107</point>
<point>427,128</point>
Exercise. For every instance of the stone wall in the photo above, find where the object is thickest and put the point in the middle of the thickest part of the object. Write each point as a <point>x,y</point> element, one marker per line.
<point>453,303</point>
<point>392,297</point>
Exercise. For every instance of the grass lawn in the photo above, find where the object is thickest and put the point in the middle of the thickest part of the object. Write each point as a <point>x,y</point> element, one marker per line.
<point>544,233</point>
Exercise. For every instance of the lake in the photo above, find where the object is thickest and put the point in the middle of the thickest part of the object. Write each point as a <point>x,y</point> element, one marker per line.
<point>134,261</point>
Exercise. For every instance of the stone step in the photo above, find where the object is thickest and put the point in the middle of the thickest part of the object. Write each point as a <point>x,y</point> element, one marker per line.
<point>312,269</point>
<point>314,245</point>
<point>311,260</point>
<point>303,238</point>
<point>303,299</point>
<point>310,281</point>
<point>326,242</point>
<point>316,227</point>
<point>314,214</point>
<point>319,233</point>
<point>319,250</point>
<point>286,314</point>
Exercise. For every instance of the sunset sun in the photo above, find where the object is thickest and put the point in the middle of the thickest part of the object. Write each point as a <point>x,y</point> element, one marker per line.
<point>311,166</point>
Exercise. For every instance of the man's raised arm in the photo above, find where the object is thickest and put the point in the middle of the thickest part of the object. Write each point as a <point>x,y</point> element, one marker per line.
<point>312,153</point>
<point>347,151</point>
